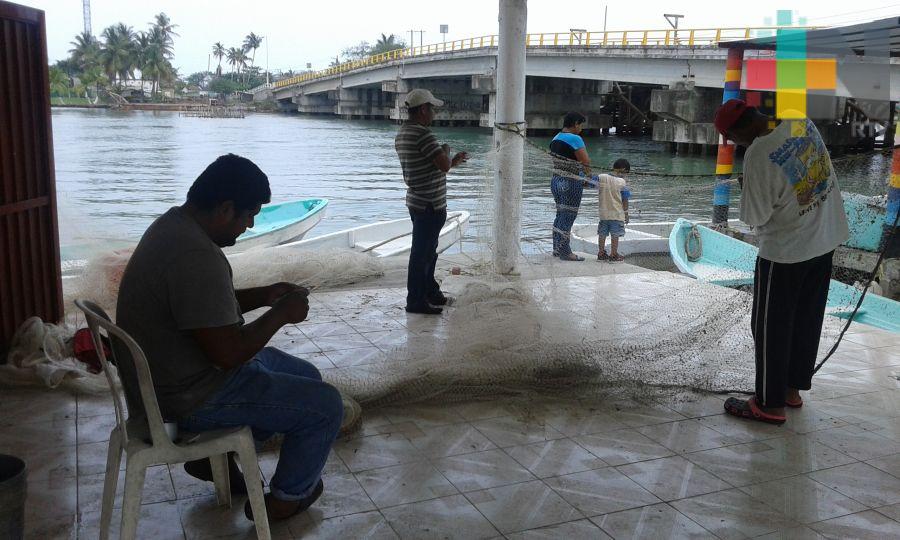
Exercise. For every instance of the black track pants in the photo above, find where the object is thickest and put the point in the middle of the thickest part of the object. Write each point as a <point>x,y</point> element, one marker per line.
<point>788,309</point>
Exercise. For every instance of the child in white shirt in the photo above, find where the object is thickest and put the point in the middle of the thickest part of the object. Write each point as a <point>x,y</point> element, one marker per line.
<point>613,197</point>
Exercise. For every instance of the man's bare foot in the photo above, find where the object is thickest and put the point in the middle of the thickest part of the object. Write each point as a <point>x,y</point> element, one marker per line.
<point>774,411</point>
<point>793,399</point>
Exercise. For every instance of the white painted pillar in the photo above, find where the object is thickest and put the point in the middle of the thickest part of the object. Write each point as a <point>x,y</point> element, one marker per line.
<point>510,146</point>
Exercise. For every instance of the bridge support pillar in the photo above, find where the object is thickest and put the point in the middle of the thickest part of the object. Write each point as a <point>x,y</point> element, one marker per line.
<point>462,106</point>
<point>510,140</point>
<point>734,68</point>
<point>315,104</point>
<point>687,114</point>
<point>363,102</point>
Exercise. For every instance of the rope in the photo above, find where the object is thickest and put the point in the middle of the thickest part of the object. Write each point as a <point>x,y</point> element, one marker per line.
<point>515,128</point>
<point>694,235</point>
<point>862,296</point>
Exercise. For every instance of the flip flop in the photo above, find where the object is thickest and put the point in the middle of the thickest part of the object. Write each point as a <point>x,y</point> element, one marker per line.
<point>747,408</point>
<point>794,404</point>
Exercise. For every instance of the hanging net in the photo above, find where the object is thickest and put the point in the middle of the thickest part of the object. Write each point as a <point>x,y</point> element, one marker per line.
<point>575,330</point>
<point>585,330</point>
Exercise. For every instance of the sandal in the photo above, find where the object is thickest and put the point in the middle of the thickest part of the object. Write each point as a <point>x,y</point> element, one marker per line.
<point>602,256</point>
<point>748,408</point>
<point>794,404</point>
<point>616,258</point>
<point>571,257</point>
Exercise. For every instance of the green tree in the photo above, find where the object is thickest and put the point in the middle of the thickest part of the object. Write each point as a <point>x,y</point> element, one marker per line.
<point>223,86</point>
<point>356,52</point>
<point>237,58</point>
<point>219,52</point>
<point>94,77</point>
<point>251,43</point>
<point>387,44</point>
<point>59,83</point>
<point>163,24</point>
<point>197,79</point>
<point>118,55</point>
<point>68,67</point>
<point>141,52</point>
<point>85,51</point>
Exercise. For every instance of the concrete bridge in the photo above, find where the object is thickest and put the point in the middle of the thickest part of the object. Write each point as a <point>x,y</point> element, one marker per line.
<point>665,82</point>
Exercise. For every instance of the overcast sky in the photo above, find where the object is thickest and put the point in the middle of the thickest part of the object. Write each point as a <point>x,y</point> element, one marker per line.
<point>301,31</point>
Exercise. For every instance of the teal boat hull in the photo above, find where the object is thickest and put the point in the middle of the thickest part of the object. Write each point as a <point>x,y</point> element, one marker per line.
<point>281,223</point>
<point>729,262</point>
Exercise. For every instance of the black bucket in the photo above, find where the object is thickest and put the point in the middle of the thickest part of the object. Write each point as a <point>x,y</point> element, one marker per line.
<point>12,497</point>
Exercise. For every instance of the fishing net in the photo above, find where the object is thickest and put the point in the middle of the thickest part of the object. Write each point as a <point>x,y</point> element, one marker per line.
<point>586,330</point>
<point>575,330</point>
<point>315,269</point>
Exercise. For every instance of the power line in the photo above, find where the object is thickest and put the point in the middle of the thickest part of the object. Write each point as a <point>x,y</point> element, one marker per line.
<point>851,13</point>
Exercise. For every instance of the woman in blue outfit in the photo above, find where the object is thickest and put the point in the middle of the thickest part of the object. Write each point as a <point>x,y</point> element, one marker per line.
<point>571,165</point>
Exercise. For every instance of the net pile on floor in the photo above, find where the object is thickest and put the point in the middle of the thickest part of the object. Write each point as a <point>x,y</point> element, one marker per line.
<point>573,338</point>
<point>582,337</point>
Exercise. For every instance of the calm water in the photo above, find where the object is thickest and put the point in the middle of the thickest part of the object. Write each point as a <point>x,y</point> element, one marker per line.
<point>117,171</point>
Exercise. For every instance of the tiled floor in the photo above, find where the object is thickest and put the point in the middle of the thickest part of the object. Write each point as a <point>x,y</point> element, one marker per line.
<point>500,469</point>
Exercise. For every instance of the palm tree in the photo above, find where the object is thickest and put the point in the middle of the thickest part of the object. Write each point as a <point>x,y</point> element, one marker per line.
<point>236,58</point>
<point>163,23</point>
<point>386,44</point>
<point>218,51</point>
<point>251,43</point>
<point>142,45</point>
<point>118,52</point>
<point>241,61</point>
<point>85,50</point>
<point>59,83</point>
<point>93,77</point>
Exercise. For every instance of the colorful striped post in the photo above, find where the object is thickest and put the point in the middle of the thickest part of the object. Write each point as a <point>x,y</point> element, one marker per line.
<point>734,67</point>
<point>890,239</point>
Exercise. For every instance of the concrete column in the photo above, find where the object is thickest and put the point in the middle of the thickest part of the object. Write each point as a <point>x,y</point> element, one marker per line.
<point>510,146</point>
<point>734,67</point>
<point>890,238</point>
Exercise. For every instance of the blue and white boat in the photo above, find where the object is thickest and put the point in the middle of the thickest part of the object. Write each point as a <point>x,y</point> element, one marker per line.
<point>722,260</point>
<point>281,223</point>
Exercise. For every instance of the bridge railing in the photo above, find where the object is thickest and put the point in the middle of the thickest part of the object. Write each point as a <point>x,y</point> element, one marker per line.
<point>696,37</point>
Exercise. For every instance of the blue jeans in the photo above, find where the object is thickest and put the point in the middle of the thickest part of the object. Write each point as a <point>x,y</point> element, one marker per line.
<point>567,194</point>
<point>278,393</point>
<point>610,227</point>
<point>420,282</point>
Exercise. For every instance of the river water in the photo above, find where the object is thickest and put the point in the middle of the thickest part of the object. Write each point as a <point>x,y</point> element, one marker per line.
<point>116,171</point>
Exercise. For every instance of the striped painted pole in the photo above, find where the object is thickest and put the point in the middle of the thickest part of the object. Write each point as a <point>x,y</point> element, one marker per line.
<point>734,67</point>
<point>892,251</point>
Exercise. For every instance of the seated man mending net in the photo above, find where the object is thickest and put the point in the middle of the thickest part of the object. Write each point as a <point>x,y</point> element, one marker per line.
<point>211,370</point>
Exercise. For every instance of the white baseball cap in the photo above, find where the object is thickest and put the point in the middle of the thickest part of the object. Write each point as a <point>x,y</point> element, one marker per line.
<point>420,96</point>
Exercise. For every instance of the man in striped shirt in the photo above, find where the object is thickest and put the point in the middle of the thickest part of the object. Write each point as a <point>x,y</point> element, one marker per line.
<point>425,164</point>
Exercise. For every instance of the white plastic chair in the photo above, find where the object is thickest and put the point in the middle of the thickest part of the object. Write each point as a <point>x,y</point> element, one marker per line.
<point>146,442</point>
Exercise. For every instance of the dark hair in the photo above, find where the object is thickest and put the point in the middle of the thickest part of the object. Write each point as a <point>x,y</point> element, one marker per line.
<point>744,119</point>
<point>622,164</point>
<point>230,178</point>
<point>573,118</point>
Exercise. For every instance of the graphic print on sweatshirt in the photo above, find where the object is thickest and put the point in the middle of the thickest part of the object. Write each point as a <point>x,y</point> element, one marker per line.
<point>804,161</point>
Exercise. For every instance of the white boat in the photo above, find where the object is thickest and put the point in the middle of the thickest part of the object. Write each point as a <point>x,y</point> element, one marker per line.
<point>275,224</point>
<point>650,237</point>
<point>384,238</point>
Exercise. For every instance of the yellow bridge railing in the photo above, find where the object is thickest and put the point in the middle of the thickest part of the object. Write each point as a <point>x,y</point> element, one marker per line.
<point>620,38</point>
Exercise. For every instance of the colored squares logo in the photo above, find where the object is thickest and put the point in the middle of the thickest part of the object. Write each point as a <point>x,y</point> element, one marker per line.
<point>791,74</point>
